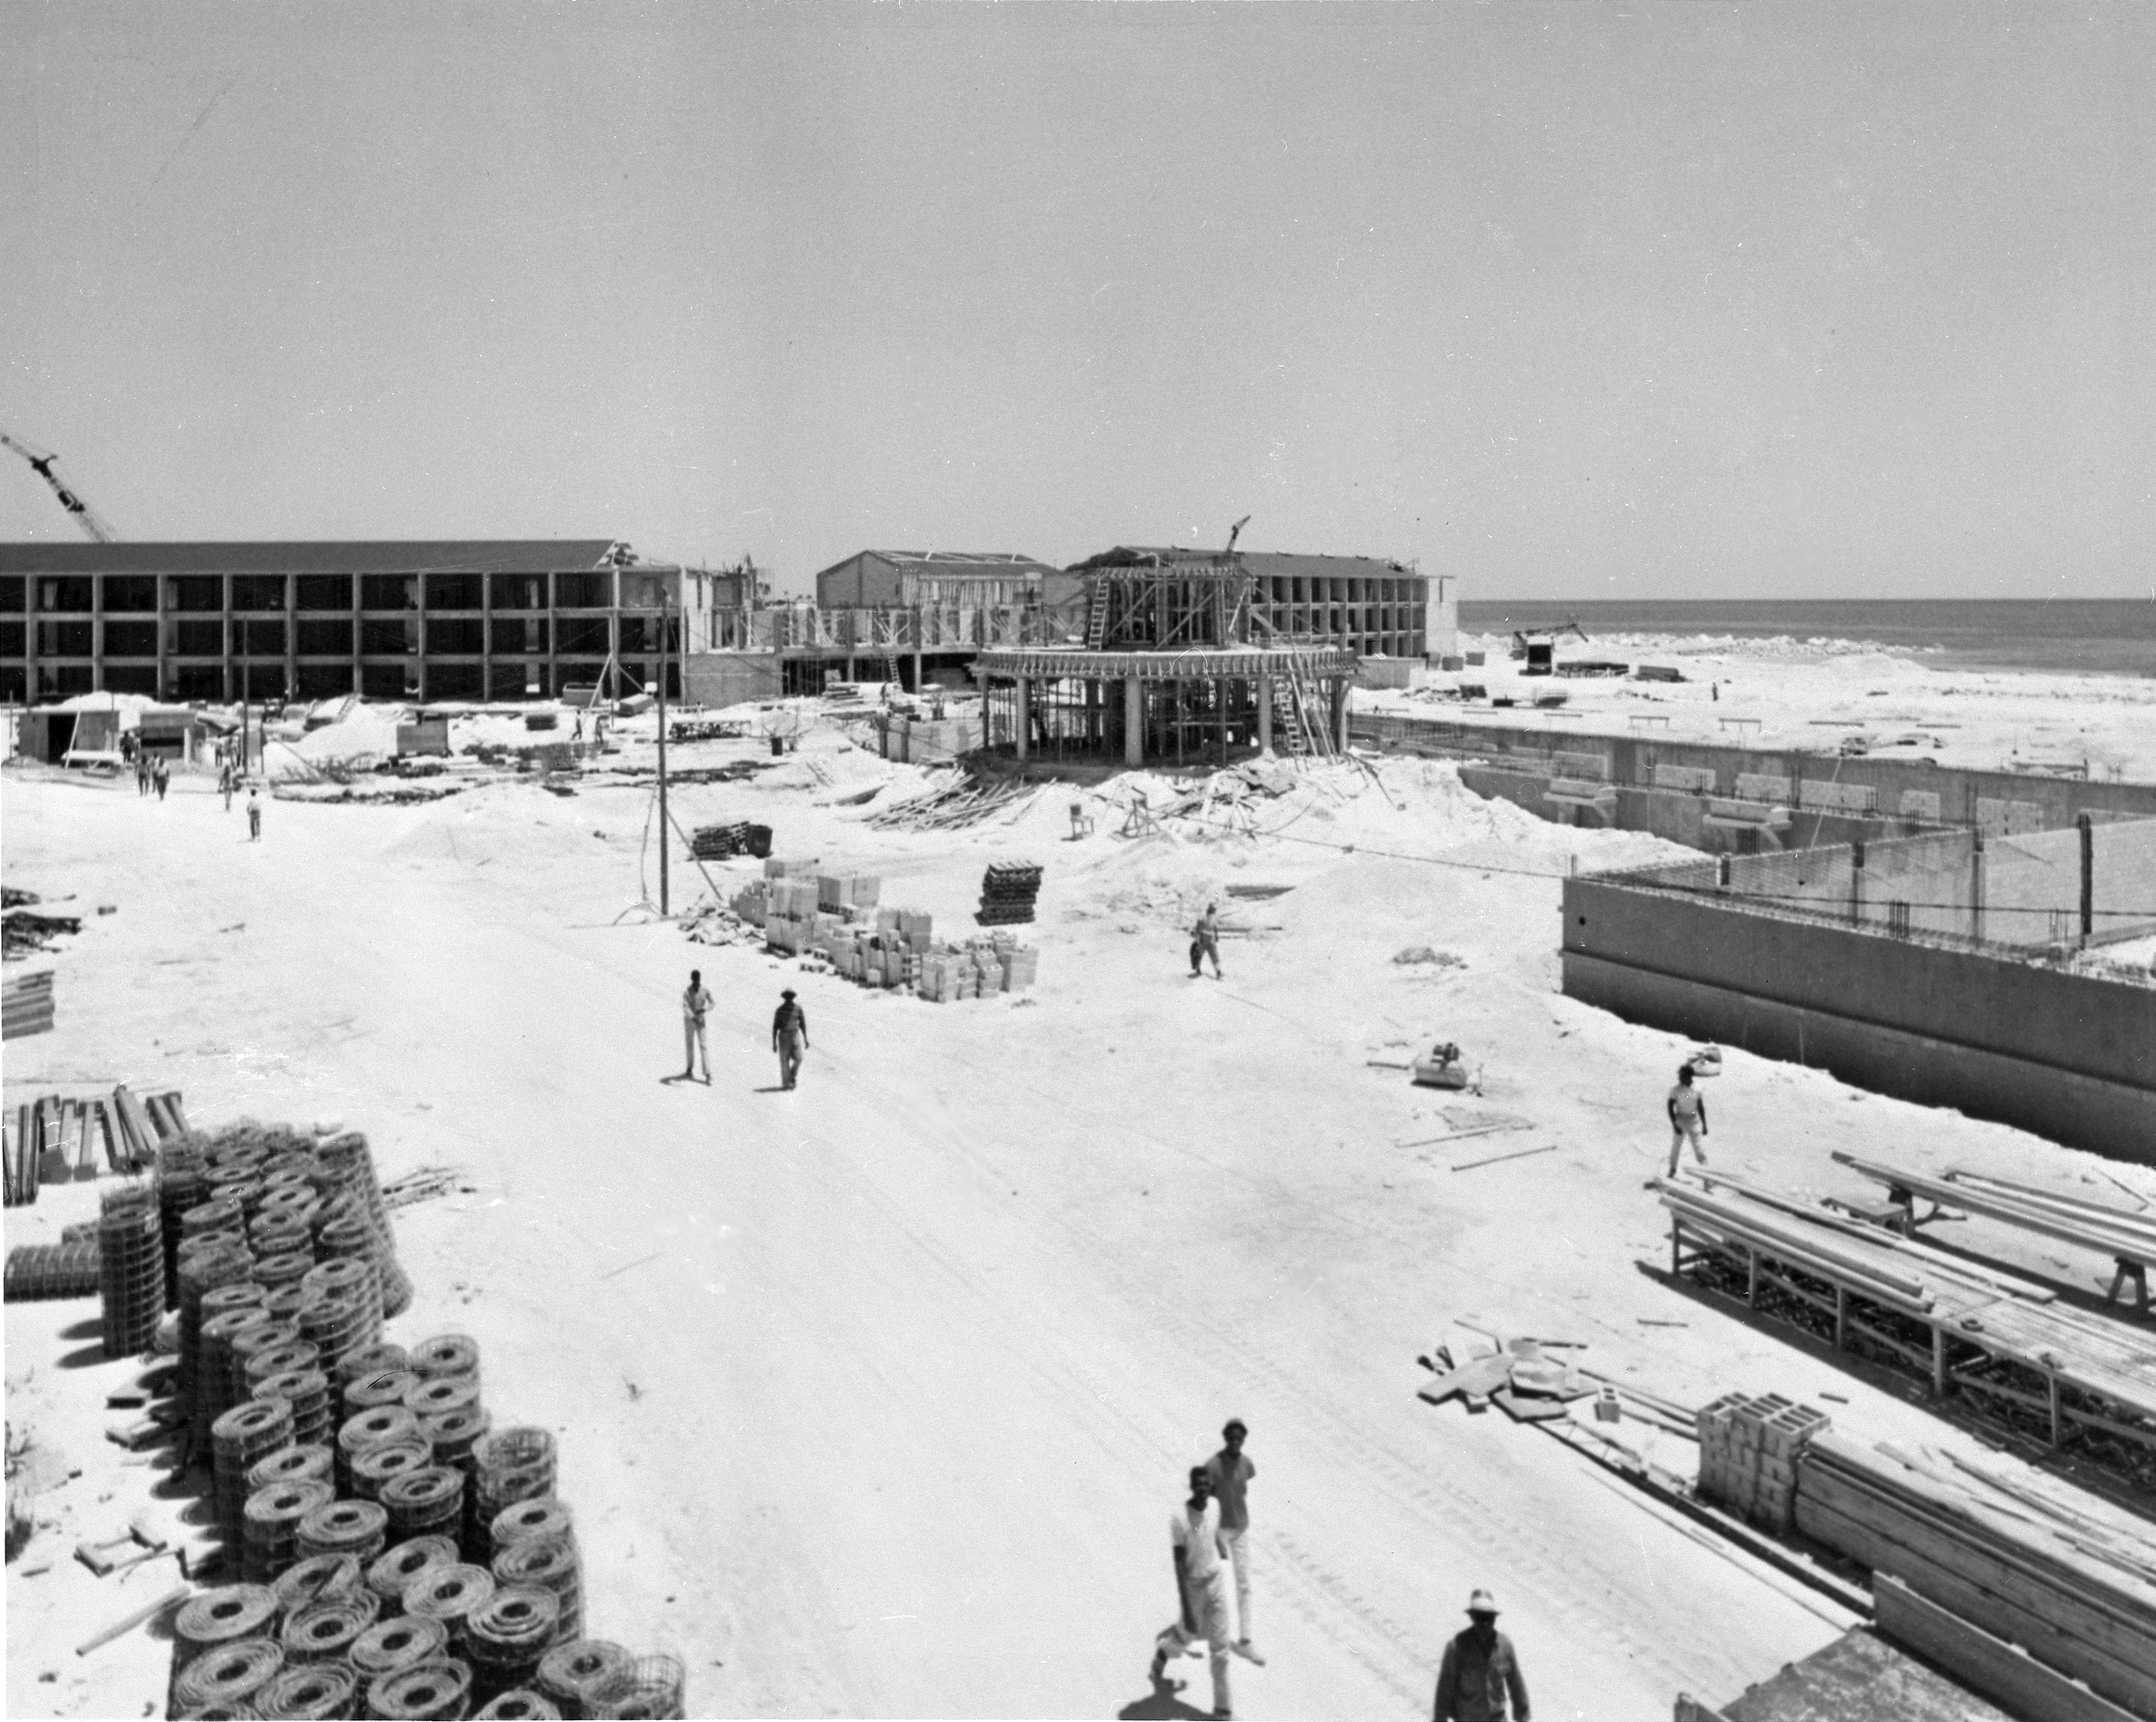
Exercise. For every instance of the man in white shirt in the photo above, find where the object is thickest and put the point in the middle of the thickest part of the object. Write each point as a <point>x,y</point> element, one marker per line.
<point>694,1002</point>
<point>1201,1578</point>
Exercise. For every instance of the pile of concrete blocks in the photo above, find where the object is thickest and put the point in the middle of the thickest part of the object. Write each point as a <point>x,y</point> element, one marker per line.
<point>1748,1449</point>
<point>980,968</point>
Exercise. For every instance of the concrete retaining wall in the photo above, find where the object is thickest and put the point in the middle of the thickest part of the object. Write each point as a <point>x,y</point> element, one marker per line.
<point>1679,818</point>
<point>2067,1056</point>
<point>2001,800</point>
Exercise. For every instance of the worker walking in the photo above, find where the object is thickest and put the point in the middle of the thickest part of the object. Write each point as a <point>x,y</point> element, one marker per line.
<point>789,1038</point>
<point>1687,1119</point>
<point>253,817</point>
<point>161,776</point>
<point>694,1002</point>
<point>224,783</point>
<point>1479,1671</point>
<point>1201,1581</point>
<point>1205,941</point>
<point>1229,1473</point>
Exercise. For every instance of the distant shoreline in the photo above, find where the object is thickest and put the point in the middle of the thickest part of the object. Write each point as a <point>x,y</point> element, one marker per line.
<point>2108,636</point>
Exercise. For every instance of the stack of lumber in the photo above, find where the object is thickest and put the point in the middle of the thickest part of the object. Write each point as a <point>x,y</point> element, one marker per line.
<point>2128,1237</point>
<point>26,1001</point>
<point>1867,1268</point>
<point>1748,1449</point>
<point>1008,891</point>
<point>58,1138</point>
<point>719,842</point>
<point>1989,1557</point>
<point>26,930</point>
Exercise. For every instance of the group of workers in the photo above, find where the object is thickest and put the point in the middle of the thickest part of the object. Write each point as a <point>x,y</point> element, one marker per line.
<point>1209,1536</point>
<point>789,1031</point>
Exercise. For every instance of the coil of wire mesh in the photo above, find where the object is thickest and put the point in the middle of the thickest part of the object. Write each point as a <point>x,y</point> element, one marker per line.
<point>344,1527</point>
<point>421,1693</point>
<point>269,1533</point>
<point>229,1675</point>
<point>316,1578</point>
<point>316,1690</point>
<point>572,1674</point>
<point>324,1632</point>
<point>397,1567</point>
<point>651,1686</point>
<point>398,1642</point>
<point>506,1636</point>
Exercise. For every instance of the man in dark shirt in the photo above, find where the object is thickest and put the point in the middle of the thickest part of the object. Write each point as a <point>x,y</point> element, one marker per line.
<point>1230,1472</point>
<point>789,1038</point>
<point>1479,1671</point>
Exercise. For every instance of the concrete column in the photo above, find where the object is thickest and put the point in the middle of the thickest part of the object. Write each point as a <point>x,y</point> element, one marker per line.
<point>1133,722</point>
<point>358,642</point>
<point>164,654</point>
<point>1019,706</point>
<point>30,639</point>
<point>97,632</point>
<point>1265,716</point>
<point>229,695</point>
<point>1339,711</point>
<point>291,636</point>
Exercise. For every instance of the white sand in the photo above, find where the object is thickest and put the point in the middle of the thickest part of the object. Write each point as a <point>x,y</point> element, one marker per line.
<point>874,1397</point>
<point>1785,694</point>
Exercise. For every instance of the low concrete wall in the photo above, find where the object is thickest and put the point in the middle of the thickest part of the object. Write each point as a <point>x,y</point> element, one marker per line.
<point>1679,818</point>
<point>2068,1056</point>
<point>1964,797</point>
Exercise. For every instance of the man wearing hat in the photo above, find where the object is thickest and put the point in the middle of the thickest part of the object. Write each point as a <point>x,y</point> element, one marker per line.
<point>1479,1671</point>
<point>789,1037</point>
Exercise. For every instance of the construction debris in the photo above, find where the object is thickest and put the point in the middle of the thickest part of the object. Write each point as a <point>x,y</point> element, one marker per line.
<point>23,931</point>
<point>953,804</point>
<point>721,843</point>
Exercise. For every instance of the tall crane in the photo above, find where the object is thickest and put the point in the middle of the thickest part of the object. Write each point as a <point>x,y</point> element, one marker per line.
<point>41,464</point>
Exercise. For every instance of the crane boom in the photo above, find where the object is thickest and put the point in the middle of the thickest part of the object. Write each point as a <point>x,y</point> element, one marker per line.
<point>41,464</point>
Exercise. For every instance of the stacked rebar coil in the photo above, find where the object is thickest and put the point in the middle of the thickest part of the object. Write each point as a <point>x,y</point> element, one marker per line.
<point>325,1631</point>
<point>182,1175</point>
<point>506,1636</point>
<point>344,1527</point>
<point>269,1531</point>
<point>402,1565</point>
<point>650,1686</point>
<point>380,1426</point>
<point>131,1263</point>
<point>520,1706</point>
<point>220,1377</point>
<point>513,1465</point>
<point>375,1469</point>
<point>449,1594</point>
<point>346,1161</point>
<point>421,1693</point>
<point>227,1678</point>
<point>549,1564</point>
<point>318,1578</point>
<point>39,1271</point>
<point>401,1642</point>
<point>243,1436</point>
<point>573,1675</point>
<point>426,1502</point>
<point>318,1690</point>
<point>307,1392</point>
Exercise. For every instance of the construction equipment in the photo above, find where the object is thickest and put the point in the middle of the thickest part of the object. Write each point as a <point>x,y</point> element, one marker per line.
<point>41,463</point>
<point>1535,647</point>
<point>1442,1067</point>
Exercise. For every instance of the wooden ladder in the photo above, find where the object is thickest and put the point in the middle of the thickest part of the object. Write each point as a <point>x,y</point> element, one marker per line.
<point>1096,615</point>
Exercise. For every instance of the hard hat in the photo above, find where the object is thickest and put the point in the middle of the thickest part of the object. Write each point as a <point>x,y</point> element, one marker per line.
<point>1482,1603</point>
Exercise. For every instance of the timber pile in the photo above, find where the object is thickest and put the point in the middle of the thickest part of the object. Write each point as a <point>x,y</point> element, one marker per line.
<point>2072,1582</point>
<point>2128,1238</point>
<point>2050,1370</point>
<point>950,806</point>
<point>1008,894</point>
<point>721,843</point>
<point>25,1005</point>
<point>57,1138</point>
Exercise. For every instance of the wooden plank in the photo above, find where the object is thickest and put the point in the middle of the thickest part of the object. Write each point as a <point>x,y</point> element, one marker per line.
<point>2103,1240</point>
<point>1990,1666</point>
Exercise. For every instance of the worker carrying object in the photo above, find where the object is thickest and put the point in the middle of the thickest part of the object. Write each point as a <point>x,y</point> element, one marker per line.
<point>1205,941</point>
<point>789,1038</point>
<point>1687,1119</point>
<point>1479,1671</point>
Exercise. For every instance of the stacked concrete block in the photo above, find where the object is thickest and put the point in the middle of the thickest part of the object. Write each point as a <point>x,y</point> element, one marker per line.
<point>1748,1449</point>
<point>836,891</point>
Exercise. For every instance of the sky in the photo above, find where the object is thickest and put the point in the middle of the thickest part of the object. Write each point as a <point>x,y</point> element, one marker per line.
<point>1636,301</point>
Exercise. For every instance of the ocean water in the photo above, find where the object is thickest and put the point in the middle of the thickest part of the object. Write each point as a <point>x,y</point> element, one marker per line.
<point>2081,636</point>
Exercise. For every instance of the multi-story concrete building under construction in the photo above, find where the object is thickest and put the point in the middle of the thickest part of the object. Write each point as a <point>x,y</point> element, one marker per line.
<point>459,619</point>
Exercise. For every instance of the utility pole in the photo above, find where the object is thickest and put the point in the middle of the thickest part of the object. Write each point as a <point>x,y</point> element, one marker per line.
<point>663,827</point>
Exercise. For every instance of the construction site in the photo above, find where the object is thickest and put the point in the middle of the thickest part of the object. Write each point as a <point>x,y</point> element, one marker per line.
<point>1850,1419</point>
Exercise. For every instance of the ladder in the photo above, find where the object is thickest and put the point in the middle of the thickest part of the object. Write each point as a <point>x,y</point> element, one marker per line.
<point>1096,614</point>
<point>1304,735</point>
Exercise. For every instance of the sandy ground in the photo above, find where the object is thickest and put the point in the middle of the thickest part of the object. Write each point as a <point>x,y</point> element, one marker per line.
<point>875,1397</point>
<point>1788,693</point>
